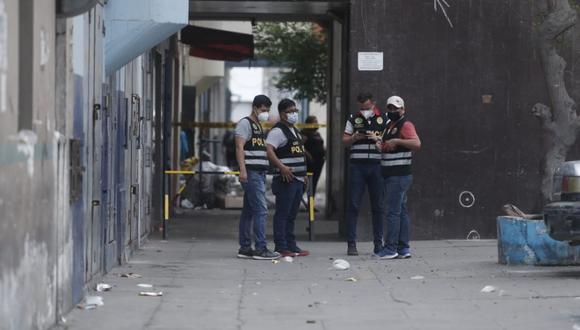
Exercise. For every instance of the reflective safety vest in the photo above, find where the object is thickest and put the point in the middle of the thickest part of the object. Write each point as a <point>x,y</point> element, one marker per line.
<point>396,162</point>
<point>364,151</point>
<point>292,153</point>
<point>255,156</point>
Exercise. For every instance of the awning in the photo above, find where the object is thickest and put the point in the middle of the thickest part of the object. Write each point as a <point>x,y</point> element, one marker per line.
<point>70,8</point>
<point>218,44</point>
<point>135,26</point>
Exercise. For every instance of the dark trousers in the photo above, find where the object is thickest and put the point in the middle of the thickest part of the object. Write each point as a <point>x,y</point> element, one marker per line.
<point>288,197</point>
<point>361,176</point>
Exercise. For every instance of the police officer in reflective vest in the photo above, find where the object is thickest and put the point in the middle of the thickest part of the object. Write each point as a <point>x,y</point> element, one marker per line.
<point>398,142</point>
<point>287,156</point>
<point>253,162</point>
<point>362,131</point>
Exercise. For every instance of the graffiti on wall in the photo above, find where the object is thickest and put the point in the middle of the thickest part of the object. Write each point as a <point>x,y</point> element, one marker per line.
<point>442,4</point>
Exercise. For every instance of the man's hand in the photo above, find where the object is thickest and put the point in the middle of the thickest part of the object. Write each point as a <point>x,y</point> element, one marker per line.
<point>373,137</point>
<point>309,156</point>
<point>390,145</point>
<point>286,173</point>
<point>358,136</point>
<point>243,176</point>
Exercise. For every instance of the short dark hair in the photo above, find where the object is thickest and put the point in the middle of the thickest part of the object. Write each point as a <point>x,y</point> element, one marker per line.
<point>364,96</point>
<point>261,100</point>
<point>310,119</point>
<point>285,104</point>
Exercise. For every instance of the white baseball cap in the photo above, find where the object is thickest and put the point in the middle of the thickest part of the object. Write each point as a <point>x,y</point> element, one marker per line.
<point>396,101</point>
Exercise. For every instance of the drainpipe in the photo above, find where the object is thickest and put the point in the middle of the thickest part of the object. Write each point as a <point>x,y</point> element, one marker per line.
<point>175,54</point>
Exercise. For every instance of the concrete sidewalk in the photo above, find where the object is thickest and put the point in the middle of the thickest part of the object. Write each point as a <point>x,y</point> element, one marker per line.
<point>205,287</point>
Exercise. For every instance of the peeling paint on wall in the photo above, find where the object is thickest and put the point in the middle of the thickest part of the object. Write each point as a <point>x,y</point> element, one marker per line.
<point>63,227</point>
<point>26,142</point>
<point>26,292</point>
<point>3,55</point>
<point>530,257</point>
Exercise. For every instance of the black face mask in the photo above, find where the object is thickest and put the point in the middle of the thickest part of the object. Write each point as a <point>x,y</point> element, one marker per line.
<point>394,116</point>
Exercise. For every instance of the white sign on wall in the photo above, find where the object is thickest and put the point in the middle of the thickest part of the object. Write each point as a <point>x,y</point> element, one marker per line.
<point>370,61</point>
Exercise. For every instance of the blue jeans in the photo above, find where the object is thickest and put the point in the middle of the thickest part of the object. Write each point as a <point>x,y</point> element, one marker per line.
<point>288,197</point>
<point>361,176</point>
<point>255,208</point>
<point>397,217</point>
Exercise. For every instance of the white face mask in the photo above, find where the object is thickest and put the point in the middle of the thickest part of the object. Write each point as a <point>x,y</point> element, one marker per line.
<point>367,113</point>
<point>263,116</point>
<point>292,117</point>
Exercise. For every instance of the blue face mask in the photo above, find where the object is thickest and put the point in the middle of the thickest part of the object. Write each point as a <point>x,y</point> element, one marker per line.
<point>292,117</point>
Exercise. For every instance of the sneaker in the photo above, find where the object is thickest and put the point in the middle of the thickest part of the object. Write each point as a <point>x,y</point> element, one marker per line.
<point>387,254</point>
<point>351,250</point>
<point>378,248</point>
<point>285,253</point>
<point>299,252</point>
<point>404,254</point>
<point>245,253</point>
<point>265,254</point>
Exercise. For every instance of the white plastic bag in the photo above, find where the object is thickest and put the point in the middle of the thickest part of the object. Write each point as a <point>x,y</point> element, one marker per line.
<point>340,264</point>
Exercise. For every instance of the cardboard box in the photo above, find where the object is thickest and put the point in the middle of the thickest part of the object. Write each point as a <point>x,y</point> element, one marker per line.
<point>229,202</point>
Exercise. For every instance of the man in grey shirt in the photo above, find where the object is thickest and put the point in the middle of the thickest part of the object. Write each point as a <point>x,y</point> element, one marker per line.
<point>253,162</point>
<point>286,153</point>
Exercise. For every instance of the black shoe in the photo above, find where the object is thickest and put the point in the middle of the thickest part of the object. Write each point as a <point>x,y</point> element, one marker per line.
<point>352,251</point>
<point>285,253</point>
<point>298,252</point>
<point>245,253</point>
<point>265,254</point>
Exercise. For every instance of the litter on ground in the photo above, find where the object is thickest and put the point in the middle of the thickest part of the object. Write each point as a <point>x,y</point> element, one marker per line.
<point>103,287</point>
<point>340,264</point>
<point>151,293</point>
<point>91,302</point>
<point>488,289</point>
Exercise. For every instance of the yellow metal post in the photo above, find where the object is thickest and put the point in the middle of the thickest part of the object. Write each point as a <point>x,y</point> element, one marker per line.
<point>166,208</point>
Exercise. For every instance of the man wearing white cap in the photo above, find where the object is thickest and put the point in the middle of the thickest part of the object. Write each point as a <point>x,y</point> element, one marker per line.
<point>399,141</point>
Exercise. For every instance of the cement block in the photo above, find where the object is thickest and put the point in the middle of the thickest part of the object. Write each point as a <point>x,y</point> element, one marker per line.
<point>526,242</point>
